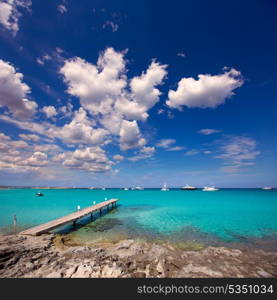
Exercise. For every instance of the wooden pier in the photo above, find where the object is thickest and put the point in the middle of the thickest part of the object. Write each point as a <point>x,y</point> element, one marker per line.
<point>44,228</point>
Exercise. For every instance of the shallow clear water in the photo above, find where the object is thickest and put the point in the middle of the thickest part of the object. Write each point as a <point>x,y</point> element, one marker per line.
<point>228,215</point>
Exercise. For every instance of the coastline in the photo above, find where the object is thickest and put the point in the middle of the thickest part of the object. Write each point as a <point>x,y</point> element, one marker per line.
<point>52,256</point>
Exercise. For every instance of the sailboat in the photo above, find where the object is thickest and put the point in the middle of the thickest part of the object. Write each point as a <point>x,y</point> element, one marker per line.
<point>165,188</point>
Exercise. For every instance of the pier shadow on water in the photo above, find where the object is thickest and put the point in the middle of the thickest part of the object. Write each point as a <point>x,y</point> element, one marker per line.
<point>87,220</point>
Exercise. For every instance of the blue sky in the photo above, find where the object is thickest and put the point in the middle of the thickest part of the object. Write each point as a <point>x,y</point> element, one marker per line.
<point>124,93</point>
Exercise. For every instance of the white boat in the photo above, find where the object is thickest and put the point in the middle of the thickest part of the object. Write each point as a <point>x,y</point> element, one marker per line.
<point>139,188</point>
<point>103,188</point>
<point>39,194</point>
<point>267,188</point>
<point>126,189</point>
<point>209,189</point>
<point>165,188</point>
<point>189,188</point>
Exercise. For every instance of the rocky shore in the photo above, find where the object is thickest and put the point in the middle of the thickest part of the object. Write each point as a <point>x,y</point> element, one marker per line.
<point>48,256</point>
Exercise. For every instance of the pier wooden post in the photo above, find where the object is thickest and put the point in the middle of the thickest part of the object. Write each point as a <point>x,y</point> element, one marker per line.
<point>100,211</point>
<point>91,216</point>
<point>14,221</point>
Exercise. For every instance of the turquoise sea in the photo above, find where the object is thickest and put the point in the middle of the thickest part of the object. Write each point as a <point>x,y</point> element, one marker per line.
<point>227,216</point>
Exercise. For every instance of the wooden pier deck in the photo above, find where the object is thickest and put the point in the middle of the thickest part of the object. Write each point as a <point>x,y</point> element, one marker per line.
<point>43,228</point>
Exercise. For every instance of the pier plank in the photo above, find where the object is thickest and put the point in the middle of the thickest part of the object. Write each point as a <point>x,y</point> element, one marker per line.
<point>46,227</point>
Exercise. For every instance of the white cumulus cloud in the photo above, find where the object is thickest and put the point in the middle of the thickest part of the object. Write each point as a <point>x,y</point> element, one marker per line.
<point>4,137</point>
<point>50,111</point>
<point>80,130</point>
<point>97,86</point>
<point>130,136</point>
<point>208,91</point>
<point>116,101</point>
<point>118,157</point>
<point>19,156</point>
<point>10,12</point>
<point>37,159</point>
<point>91,159</point>
<point>143,88</point>
<point>13,92</point>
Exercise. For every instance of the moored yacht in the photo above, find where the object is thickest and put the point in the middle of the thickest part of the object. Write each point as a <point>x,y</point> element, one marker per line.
<point>165,188</point>
<point>139,188</point>
<point>188,188</point>
<point>125,189</point>
<point>210,189</point>
<point>267,188</point>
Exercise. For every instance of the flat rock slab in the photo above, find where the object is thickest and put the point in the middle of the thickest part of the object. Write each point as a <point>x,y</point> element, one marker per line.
<point>27,256</point>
